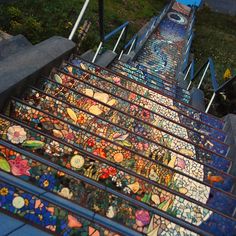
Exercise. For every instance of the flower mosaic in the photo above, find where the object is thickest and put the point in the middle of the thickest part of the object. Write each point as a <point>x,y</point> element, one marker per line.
<point>211,144</point>
<point>124,146</point>
<point>47,215</point>
<point>96,107</point>
<point>131,185</point>
<point>87,121</point>
<point>201,127</point>
<point>160,85</point>
<point>144,96</point>
<point>92,197</point>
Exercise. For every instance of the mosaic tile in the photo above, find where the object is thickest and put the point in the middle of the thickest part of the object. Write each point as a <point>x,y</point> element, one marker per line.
<point>211,144</point>
<point>161,86</point>
<point>87,119</point>
<point>23,139</point>
<point>172,110</point>
<point>83,193</point>
<point>45,214</point>
<point>126,108</point>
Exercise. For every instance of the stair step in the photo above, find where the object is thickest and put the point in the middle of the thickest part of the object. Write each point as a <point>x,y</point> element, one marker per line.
<point>44,210</point>
<point>66,180</point>
<point>153,96</point>
<point>183,118</point>
<point>161,86</point>
<point>211,145</point>
<point>150,77</point>
<point>154,72</point>
<point>83,191</point>
<point>117,116</point>
<point>45,101</point>
<point>23,112</point>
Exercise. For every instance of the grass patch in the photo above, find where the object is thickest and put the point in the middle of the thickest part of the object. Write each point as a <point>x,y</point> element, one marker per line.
<point>215,37</point>
<point>41,19</point>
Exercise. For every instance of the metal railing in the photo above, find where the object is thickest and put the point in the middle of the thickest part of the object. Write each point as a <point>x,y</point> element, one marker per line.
<point>121,28</point>
<point>204,68</point>
<point>130,45</point>
<point>79,19</point>
<point>136,40</point>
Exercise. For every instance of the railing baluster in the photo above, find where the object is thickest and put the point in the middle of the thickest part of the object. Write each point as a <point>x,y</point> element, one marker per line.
<point>118,40</point>
<point>211,101</point>
<point>131,47</point>
<point>96,54</point>
<point>203,76</point>
<point>78,19</point>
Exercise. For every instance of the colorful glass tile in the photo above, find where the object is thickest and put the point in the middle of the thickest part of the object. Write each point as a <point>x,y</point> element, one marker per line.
<point>211,144</point>
<point>46,214</point>
<point>71,96</point>
<point>87,119</point>
<point>158,104</point>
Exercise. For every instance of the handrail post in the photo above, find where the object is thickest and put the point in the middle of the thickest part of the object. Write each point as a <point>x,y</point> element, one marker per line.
<point>211,101</point>
<point>121,54</point>
<point>189,85</point>
<point>78,19</point>
<point>131,46</point>
<point>202,78</point>
<point>186,75</point>
<point>118,40</point>
<point>96,54</point>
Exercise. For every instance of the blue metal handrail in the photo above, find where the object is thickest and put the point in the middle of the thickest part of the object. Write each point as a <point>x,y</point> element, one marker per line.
<point>225,84</point>
<point>209,64</point>
<point>121,28</point>
<point>112,33</point>
<point>130,41</point>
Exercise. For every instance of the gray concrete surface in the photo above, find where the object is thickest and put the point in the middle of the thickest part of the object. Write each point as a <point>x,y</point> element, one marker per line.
<point>23,67</point>
<point>13,45</point>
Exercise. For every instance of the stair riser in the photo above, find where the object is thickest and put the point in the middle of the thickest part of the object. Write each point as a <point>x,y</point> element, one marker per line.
<point>46,103</point>
<point>160,87</point>
<point>213,145</point>
<point>27,118</point>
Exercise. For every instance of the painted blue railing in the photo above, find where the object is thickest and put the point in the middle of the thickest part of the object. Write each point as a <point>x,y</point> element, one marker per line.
<point>115,31</point>
<point>137,40</point>
<point>121,28</point>
<point>208,65</point>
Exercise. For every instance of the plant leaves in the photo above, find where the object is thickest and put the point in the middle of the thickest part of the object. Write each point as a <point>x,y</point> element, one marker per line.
<point>120,137</point>
<point>4,165</point>
<point>72,114</point>
<point>83,66</point>
<point>58,78</point>
<point>33,144</point>
<point>126,143</point>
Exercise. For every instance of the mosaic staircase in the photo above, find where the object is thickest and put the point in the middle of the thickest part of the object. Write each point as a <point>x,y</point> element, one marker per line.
<point>116,151</point>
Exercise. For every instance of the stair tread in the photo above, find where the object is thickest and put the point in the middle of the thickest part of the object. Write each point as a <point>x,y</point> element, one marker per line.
<point>78,75</point>
<point>54,218</point>
<point>58,123</point>
<point>160,86</point>
<point>148,93</point>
